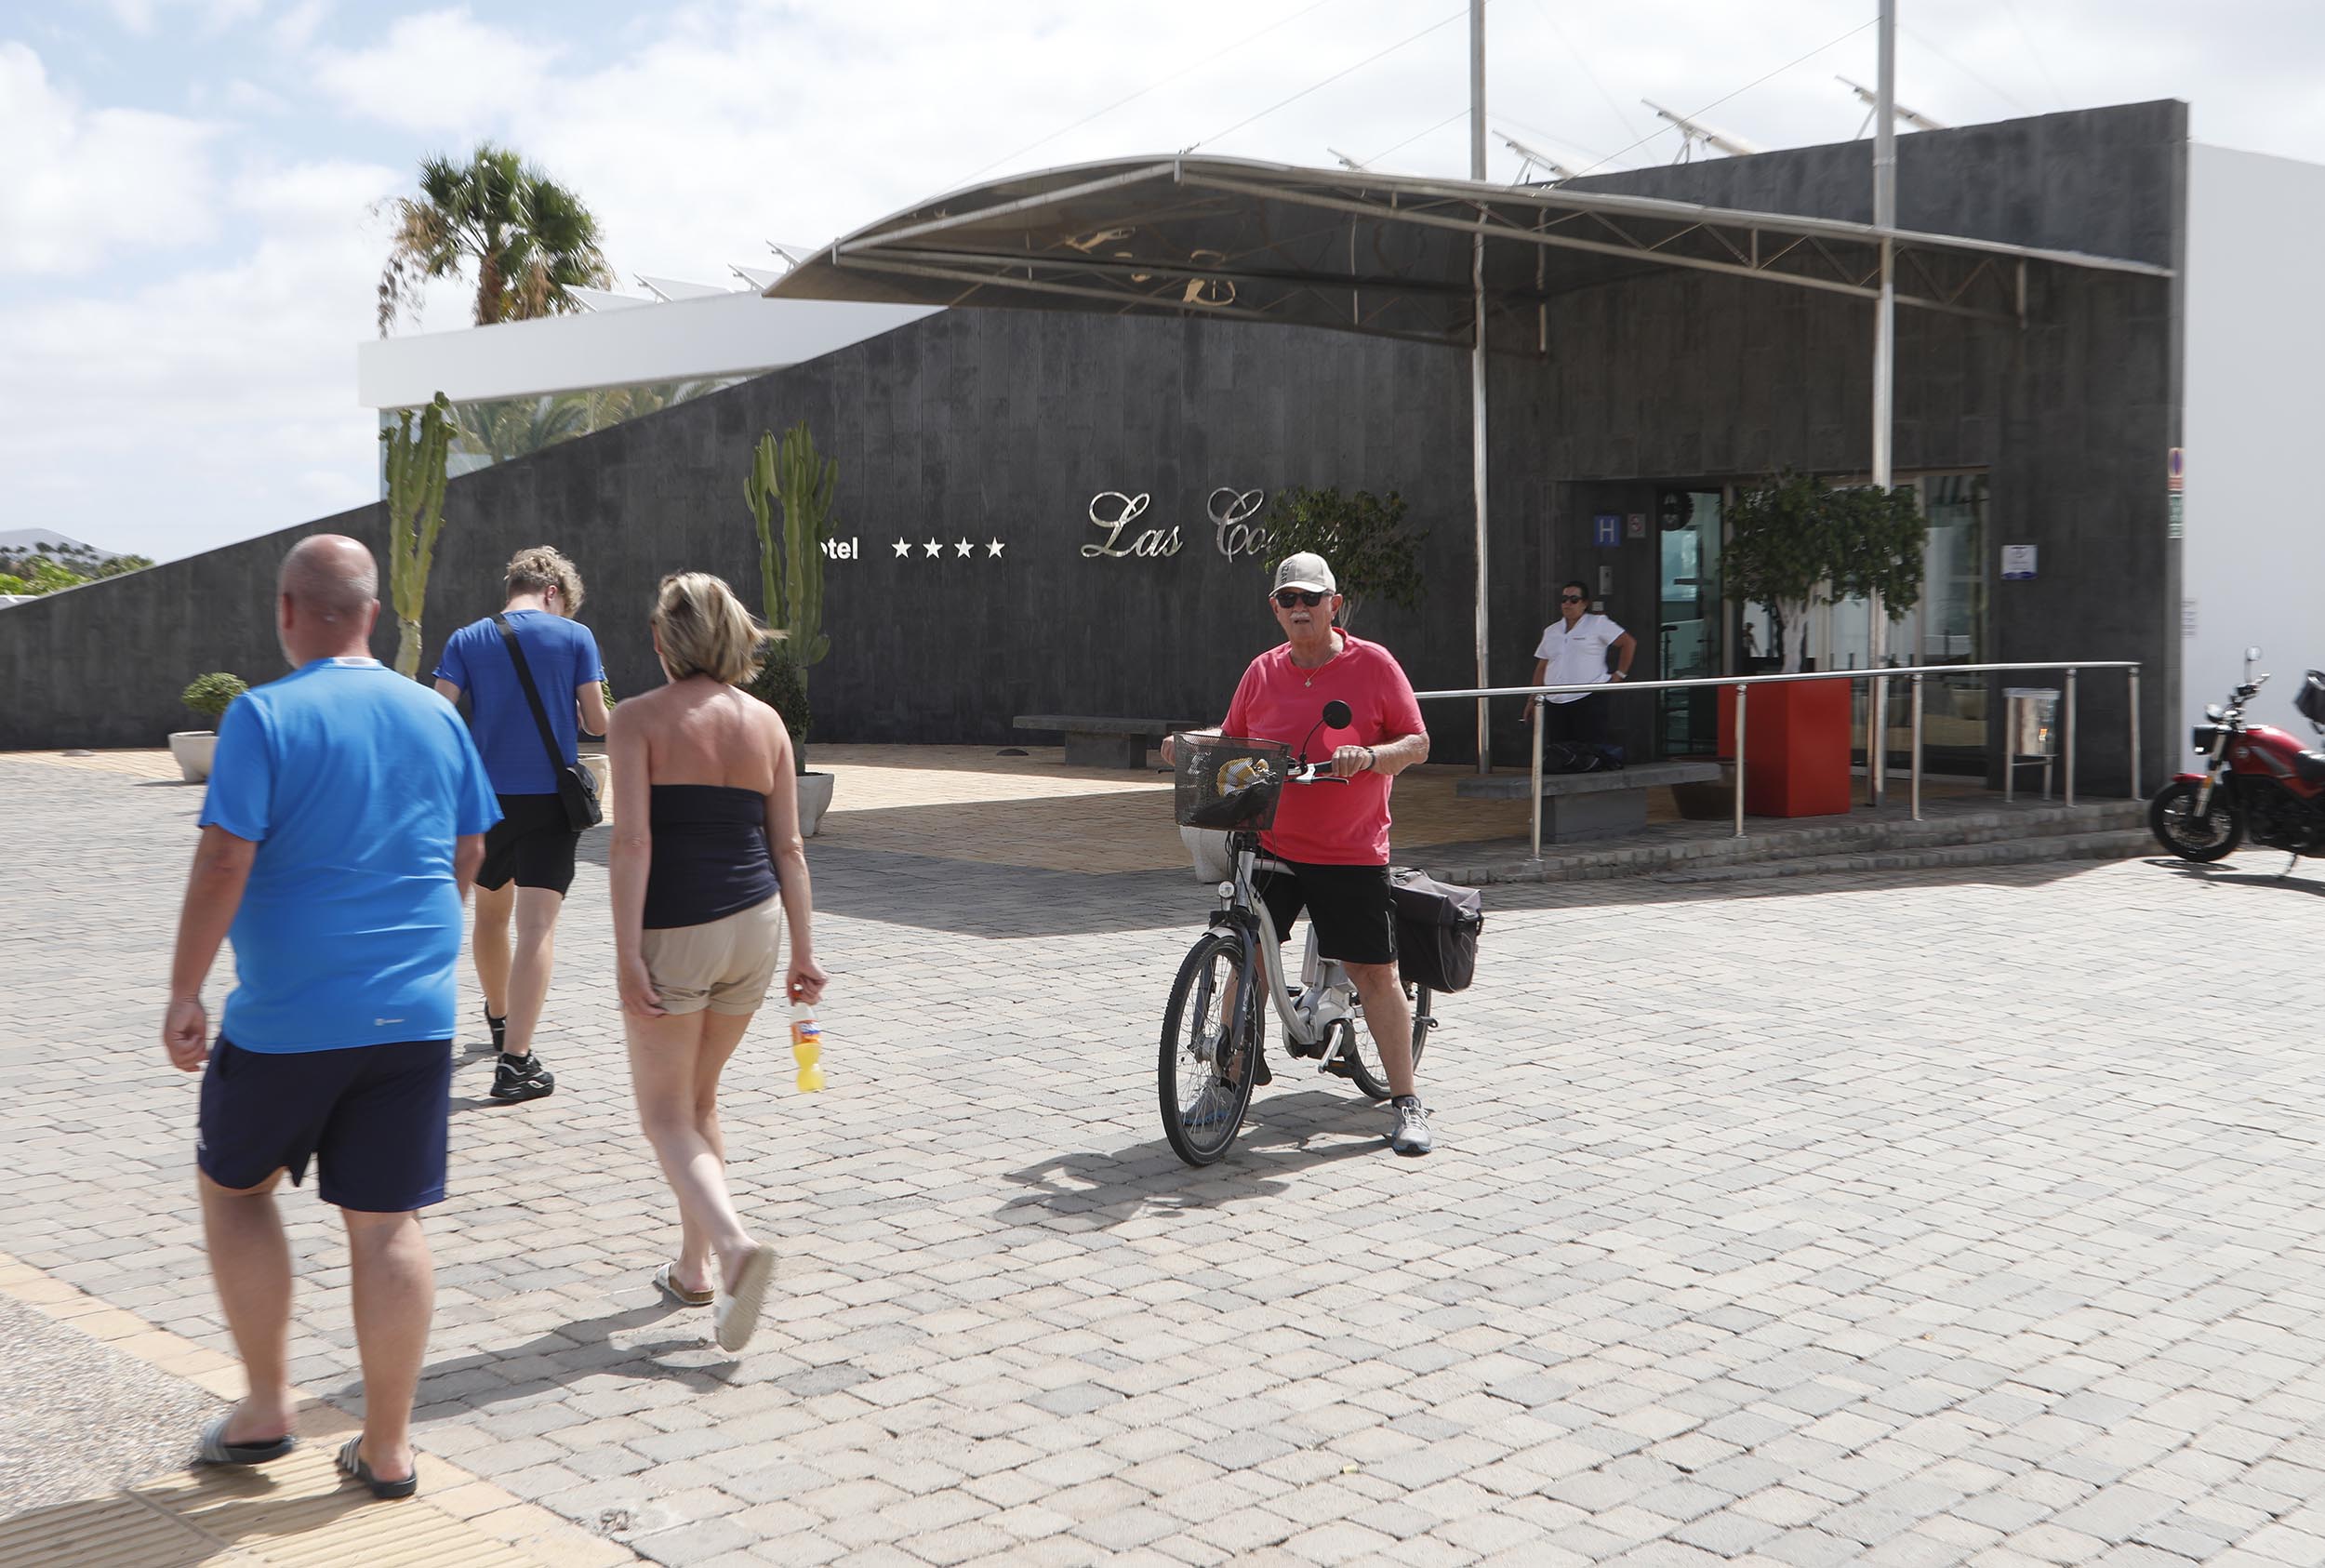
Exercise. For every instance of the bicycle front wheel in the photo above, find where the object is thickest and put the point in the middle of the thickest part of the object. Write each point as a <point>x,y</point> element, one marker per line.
<point>1365,1069</point>
<point>1211,1045</point>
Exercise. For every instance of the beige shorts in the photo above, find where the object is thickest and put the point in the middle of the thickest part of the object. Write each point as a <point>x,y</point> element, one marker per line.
<point>726,965</point>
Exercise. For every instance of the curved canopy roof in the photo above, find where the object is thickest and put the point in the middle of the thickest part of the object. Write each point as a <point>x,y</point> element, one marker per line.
<point>1365,252</point>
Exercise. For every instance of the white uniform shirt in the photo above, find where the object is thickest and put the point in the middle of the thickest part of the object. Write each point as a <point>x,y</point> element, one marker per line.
<point>1577,654</point>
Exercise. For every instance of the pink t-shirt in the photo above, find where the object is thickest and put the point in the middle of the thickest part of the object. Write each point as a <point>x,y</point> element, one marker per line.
<point>1328,824</point>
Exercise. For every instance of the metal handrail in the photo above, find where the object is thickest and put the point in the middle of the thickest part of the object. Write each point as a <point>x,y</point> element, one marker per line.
<point>1877,746</point>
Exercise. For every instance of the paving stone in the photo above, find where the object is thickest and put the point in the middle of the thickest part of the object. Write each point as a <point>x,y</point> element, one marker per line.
<point>1904,1260</point>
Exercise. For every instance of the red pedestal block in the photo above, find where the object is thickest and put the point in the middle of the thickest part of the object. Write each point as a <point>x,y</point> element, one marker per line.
<point>1796,740</point>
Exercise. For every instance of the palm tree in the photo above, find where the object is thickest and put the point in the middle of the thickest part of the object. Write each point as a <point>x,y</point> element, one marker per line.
<point>532,240</point>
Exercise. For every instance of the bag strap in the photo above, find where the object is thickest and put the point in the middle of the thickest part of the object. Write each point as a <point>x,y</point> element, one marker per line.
<point>532,692</point>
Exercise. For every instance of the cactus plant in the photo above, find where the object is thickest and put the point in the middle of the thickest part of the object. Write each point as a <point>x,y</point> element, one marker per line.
<point>416,481</point>
<point>791,567</point>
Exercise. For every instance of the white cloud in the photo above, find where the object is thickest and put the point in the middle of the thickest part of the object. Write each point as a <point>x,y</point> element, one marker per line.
<point>442,71</point>
<point>77,185</point>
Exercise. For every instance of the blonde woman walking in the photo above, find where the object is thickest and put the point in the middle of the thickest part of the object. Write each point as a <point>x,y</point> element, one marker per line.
<point>708,870</point>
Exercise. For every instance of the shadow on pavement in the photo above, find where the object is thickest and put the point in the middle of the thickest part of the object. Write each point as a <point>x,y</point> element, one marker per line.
<point>1283,1134</point>
<point>2213,874</point>
<point>973,898</point>
<point>551,1360</point>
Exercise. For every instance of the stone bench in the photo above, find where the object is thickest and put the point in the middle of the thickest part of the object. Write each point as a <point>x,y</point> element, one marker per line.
<point>1591,805</point>
<point>1098,742</point>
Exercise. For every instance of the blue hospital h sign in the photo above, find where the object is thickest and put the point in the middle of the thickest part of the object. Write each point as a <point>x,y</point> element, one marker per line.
<point>1606,529</point>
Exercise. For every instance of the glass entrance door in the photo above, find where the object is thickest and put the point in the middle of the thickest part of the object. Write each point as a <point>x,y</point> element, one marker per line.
<point>1688,641</point>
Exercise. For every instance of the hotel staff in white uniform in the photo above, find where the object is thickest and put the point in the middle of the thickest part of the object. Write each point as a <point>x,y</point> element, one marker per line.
<point>1573,651</point>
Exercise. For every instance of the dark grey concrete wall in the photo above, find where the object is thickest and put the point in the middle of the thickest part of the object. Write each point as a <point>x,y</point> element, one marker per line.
<point>972,425</point>
<point>1685,377</point>
<point>984,425</point>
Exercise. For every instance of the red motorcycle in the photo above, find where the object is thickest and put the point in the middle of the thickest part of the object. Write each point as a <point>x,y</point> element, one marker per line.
<point>2258,782</point>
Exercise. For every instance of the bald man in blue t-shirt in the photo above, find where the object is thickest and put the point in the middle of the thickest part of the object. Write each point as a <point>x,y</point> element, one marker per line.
<point>344,822</point>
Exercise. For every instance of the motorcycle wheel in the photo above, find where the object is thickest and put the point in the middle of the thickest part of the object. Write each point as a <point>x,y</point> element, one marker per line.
<point>2172,816</point>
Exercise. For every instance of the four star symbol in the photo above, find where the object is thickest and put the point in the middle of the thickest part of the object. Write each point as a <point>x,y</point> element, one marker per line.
<point>935,549</point>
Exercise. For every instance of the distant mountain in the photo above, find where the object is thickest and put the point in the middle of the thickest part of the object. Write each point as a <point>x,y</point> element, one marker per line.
<point>13,539</point>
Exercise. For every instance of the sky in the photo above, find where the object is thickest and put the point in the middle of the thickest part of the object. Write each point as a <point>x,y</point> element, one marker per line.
<point>190,233</point>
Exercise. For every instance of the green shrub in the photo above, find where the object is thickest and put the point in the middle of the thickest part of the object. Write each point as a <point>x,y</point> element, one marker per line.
<point>209,696</point>
<point>782,685</point>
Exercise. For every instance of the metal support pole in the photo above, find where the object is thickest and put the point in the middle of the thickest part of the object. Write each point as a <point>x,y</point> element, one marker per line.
<point>1917,748</point>
<point>2131,676</point>
<point>2068,766</point>
<point>1537,773</point>
<point>1743,694</point>
<point>1477,365</point>
<point>1884,381</point>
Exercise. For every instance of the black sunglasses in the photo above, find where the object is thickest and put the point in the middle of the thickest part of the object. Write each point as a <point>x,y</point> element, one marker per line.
<point>1287,597</point>
<point>1570,598</point>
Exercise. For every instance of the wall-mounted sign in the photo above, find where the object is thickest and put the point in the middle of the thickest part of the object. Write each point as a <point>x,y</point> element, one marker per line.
<point>1114,512</point>
<point>2175,470</point>
<point>2176,516</point>
<point>1232,528</point>
<point>1606,529</point>
<point>1674,509</point>
<point>2018,563</point>
<point>1635,525</point>
<point>2188,618</point>
<point>841,549</point>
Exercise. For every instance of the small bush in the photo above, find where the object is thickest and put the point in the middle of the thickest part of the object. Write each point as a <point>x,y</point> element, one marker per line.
<point>782,686</point>
<point>209,696</point>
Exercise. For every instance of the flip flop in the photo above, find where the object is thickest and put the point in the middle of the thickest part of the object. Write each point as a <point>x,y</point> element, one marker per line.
<point>663,1283</point>
<point>213,1448</point>
<point>738,1314</point>
<point>352,1462</point>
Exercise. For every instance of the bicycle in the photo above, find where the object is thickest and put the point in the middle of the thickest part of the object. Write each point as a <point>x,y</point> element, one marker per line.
<point>1215,1026</point>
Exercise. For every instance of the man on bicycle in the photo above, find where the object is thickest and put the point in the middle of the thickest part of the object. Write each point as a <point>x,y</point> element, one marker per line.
<point>1333,840</point>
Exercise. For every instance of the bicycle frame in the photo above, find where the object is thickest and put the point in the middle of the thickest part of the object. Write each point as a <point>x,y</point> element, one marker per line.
<point>1326,995</point>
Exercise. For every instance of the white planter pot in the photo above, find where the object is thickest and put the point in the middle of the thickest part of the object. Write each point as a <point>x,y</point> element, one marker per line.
<point>815,799</point>
<point>193,748</point>
<point>603,771</point>
<point>1207,848</point>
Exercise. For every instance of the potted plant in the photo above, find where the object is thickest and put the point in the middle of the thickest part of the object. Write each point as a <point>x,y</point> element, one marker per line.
<point>1794,543</point>
<point>207,696</point>
<point>791,582</point>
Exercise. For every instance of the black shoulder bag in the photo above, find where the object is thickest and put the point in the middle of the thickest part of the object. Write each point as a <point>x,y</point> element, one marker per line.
<point>577,785</point>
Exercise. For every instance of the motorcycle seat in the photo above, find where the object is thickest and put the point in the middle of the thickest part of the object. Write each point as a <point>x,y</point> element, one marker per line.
<point>2310,765</point>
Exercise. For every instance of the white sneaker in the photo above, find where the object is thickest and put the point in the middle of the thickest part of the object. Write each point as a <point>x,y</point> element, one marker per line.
<point>1411,1134</point>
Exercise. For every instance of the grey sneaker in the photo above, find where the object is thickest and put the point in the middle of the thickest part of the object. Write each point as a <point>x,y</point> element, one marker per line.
<point>1411,1134</point>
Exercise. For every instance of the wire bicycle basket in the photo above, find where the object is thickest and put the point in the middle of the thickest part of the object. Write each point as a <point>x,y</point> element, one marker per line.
<point>1224,783</point>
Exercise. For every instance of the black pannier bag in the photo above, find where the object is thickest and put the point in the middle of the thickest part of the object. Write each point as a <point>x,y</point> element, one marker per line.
<point>1437,930</point>
<point>2310,699</point>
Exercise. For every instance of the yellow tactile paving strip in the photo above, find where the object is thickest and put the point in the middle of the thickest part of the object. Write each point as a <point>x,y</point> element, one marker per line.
<point>297,1513</point>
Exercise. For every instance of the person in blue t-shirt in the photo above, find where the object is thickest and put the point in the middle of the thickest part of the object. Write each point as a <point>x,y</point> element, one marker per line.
<point>345,819</point>
<point>528,857</point>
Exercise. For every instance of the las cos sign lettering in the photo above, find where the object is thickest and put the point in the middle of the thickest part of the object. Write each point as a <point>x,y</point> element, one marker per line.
<point>1231,513</point>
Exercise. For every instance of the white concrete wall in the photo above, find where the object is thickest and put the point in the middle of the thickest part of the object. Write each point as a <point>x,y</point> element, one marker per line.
<point>2254,425</point>
<point>725,335</point>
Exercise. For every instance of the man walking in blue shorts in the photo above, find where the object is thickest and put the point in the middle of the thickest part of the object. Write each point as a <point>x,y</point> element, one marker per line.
<point>344,823</point>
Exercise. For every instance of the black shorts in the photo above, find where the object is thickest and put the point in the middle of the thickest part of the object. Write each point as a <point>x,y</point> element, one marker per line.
<point>373,1117</point>
<point>531,845</point>
<point>1350,906</point>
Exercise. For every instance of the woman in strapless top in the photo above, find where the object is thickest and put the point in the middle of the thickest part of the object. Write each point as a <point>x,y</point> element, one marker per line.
<point>707,871</point>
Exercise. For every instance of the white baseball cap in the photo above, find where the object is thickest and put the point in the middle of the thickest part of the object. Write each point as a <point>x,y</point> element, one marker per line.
<point>1310,574</point>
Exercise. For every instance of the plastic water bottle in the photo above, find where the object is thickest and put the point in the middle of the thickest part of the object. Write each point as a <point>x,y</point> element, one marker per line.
<point>807,1047</point>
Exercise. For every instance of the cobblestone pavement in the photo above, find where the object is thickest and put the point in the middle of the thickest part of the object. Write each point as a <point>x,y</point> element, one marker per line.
<point>1838,1220</point>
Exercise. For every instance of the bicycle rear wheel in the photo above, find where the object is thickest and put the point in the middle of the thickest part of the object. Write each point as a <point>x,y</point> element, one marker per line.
<point>1363,1057</point>
<point>1211,1043</point>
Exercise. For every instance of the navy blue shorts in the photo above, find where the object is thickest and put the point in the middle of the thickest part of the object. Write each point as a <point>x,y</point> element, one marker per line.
<point>375,1119</point>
